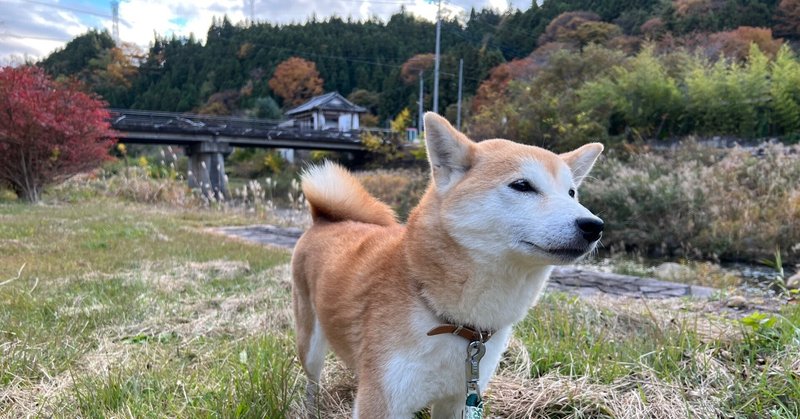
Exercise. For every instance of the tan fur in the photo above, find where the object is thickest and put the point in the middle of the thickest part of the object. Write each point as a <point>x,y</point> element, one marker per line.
<point>362,275</point>
<point>347,200</point>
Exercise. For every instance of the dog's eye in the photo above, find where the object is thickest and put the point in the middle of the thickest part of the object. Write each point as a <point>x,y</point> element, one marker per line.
<point>572,193</point>
<point>522,185</point>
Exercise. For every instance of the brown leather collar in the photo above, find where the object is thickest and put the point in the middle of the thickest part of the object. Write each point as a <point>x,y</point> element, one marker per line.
<point>465,332</point>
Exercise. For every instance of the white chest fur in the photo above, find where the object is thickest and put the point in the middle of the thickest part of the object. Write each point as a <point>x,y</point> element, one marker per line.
<point>491,300</point>
<point>431,370</point>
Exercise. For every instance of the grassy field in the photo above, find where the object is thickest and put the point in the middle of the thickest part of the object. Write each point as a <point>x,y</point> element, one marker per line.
<point>113,309</point>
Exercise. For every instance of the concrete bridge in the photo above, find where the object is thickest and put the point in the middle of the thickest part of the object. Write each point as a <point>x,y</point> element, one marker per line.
<point>209,139</point>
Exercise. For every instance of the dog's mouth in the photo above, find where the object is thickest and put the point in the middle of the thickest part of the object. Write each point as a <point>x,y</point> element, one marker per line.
<point>563,253</point>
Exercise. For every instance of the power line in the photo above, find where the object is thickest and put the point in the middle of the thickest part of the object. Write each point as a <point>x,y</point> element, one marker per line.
<point>76,10</point>
<point>343,58</point>
<point>406,3</point>
<point>42,38</point>
<point>71,9</point>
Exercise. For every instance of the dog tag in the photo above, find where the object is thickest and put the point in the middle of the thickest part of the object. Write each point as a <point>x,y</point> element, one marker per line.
<point>474,404</point>
<point>475,351</point>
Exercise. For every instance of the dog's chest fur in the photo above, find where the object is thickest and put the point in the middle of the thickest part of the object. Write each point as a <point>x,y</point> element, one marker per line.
<point>433,367</point>
<point>427,369</point>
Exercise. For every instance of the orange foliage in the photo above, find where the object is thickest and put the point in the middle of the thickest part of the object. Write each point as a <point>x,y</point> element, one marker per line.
<point>579,29</point>
<point>411,68</point>
<point>653,28</point>
<point>296,80</point>
<point>220,103</point>
<point>245,50</point>
<point>564,24</point>
<point>736,43</point>
<point>117,66</point>
<point>494,87</point>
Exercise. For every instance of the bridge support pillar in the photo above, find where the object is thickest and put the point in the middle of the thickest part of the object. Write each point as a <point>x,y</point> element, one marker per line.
<point>207,167</point>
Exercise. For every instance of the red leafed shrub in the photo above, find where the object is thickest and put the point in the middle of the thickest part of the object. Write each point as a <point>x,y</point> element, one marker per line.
<point>494,87</point>
<point>736,43</point>
<point>49,131</point>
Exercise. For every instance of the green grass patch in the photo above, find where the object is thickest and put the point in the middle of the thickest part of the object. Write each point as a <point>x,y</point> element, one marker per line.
<point>107,305</point>
<point>253,378</point>
<point>565,335</point>
<point>126,310</point>
<point>104,236</point>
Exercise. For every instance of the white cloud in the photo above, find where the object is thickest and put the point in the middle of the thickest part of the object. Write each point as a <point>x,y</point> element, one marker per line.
<point>35,29</point>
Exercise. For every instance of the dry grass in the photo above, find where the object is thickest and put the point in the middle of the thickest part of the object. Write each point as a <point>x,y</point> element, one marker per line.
<point>134,185</point>
<point>555,395</point>
<point>514,394</point>
<point>400,188</point>
<point>700,202</point>
<point>150,317</point>
<point>194,310</point>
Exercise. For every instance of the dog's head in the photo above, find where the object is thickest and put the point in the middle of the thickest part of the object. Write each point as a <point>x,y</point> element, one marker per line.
<point>508,201</point>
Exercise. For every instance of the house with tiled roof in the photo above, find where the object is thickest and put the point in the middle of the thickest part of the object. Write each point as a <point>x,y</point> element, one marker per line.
<point>330,111</point>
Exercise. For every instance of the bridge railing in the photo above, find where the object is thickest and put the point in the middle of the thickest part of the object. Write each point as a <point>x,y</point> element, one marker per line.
<point>188,115</point>
<point>135,120</point>
<point>127,120</point>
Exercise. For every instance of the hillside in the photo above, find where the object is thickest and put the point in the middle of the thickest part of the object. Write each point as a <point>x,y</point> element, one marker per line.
<point>365,58</point>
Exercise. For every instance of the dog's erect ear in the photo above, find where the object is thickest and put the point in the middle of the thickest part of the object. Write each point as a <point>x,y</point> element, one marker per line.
<point>581,160</point>
<point>449,151</point>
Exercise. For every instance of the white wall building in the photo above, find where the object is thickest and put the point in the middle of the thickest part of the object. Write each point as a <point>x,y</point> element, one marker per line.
<point>330,111</point>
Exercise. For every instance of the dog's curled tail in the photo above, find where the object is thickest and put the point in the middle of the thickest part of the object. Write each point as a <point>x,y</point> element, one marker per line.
<point>333,194</point>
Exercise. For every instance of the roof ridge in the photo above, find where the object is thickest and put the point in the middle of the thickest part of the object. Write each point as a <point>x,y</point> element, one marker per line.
<point>319,102</point>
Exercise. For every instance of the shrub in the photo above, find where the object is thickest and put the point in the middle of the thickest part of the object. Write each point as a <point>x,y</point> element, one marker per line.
<point>730,98</point>
<point>561,99</point>
<point>734,204</point>
<point>785,91</point>
<point>641,94</point>
<point>49,131</point>
<point>400,188</point>
<point>134,184</point>
<point>541,108</point>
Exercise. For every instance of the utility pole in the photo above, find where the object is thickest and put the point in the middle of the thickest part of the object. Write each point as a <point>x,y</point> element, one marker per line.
<point>115,21</point>
<point>252,4</point>
<point>421,100</point>
<point>460,84</point>
<point>436,65</point>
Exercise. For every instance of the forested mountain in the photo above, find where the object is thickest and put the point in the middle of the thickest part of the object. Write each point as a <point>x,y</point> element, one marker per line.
<point>232,68</point>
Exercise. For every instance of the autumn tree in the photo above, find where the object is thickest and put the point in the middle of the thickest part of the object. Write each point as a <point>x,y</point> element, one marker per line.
<point>494,87</point>
<point>112,73</point>
<point>221,103</point>
<point>49,131</point>
<point>787,18</point>
<point>296,80</point>
<point>411,68</point>
<point>736,43</point>
<point>579,29</point>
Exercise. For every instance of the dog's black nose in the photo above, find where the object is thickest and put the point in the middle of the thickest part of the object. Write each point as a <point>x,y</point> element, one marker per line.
<point>592,228</point>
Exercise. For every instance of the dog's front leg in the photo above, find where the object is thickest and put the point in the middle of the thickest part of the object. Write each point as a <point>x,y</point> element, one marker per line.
<point>452,408</point>
<point>372,403</point>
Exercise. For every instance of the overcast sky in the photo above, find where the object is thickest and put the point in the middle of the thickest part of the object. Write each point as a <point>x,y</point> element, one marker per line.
<point>34,28</point>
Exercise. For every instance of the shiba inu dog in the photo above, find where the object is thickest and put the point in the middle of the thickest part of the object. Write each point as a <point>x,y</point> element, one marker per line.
<point>396,302</point>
